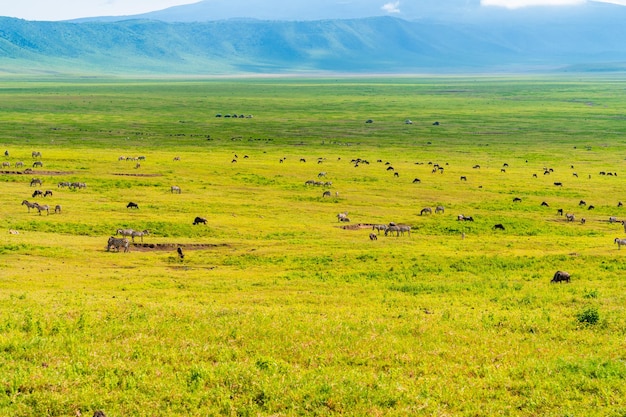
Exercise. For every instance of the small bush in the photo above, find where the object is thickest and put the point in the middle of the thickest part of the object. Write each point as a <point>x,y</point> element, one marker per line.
<point>589,316</point>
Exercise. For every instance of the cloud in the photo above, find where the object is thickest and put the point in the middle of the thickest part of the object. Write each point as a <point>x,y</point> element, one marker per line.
<point>392,7</point>
<point>516,4</point>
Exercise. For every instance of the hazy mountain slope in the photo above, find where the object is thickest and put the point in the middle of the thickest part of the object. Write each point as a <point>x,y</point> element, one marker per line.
<point>379,44</point>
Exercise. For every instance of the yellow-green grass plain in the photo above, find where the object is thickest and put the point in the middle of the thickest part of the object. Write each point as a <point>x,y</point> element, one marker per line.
<point>278,310</point>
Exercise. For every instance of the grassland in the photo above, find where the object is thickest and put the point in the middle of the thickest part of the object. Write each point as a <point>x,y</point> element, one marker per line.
<point>278,310</point>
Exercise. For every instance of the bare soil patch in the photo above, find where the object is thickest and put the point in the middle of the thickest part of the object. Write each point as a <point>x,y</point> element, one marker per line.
<point>29,171</point>
<point>137,175</point>
<point>357,226</point>
<point>147,247</point>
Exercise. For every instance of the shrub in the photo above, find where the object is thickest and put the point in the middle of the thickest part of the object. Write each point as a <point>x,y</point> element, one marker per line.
<point>588,316</point>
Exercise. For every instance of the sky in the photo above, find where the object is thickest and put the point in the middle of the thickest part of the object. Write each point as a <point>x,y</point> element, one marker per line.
<point>51,10</point>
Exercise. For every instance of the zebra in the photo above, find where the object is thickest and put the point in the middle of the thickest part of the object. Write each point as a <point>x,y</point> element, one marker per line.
<point>373,236</point>
<point>118,243</point>
<point>78,185</point>
<point>29,205</point>
<point>6,164</point>
<point>57,209</point>
<point>570,217</point>
<point>326,194</point>
<point>137,233</point>
<point>175,189</point>
<point>426,210</point>
<point>36,154</point>
<point>63,184</point>
<point>35,181</point>
<point>342,216</point>
<point>620,242</point>
<point>37,164</point>
<point>124,232</point>
<point>379,227</point>
<point>399,229</point>
<point>47,193</point>
<point>19,164</point>
<point>439,209</point>
<point>44,207</point>
<point>612,219</point>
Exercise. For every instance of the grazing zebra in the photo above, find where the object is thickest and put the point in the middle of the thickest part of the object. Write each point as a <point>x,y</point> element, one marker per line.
<point>13,232</point>
<point>399,229</point>
<point>199,220</point>
<point>570,217</point>
<point>37,164</point>
<point>6,164</point>
<point>439,209</point>
<point>341,216</point>
<point>47,193</point>
<point>57,209</point>
<point>326,194</point>
<point>78,185</point>
<point>426,210</point>
<point>118,243</point>
<point>29,205</point>
<point>35,181</point>
<point>36,154</point>
<point>124,232</point>
<point>19,164</point>
<point>175,189</point>
<point>137,233</point>
<point>620,242</point>
<point>373,236</point>
<point>63,184</point>
<point>561,276</point>
<point>44,207</point>
<point>379,227</point>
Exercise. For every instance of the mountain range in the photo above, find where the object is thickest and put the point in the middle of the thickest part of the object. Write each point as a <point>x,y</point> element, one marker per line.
<point>216,37</point>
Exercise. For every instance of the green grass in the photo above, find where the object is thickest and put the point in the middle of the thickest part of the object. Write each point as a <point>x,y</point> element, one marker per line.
<point>277,310</point>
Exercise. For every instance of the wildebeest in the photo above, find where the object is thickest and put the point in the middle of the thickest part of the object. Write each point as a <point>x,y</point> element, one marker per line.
<point>47,193</point>
<point>177,158</point>
<point>199,220</point>
<point>139,234</point>
<point>559,211</point>
<point>498,226</point>
<point>591,207</point>
<point>37,193</point>
<point>619,204</point>
<point>544,204</point>
<point>463,178</point>
<point>416,181</point>
<point>179,250</point>
<point>118,243</point>
<point>517,200</point>
<point>373,236</point>
<point>558,184</point>
<point>426,210</point>
<point>175,189</point>
<point>583,220</point>
<point>582,203</point>
<point>561,276</point>
<point>326,194</point>
<point>132,205</point>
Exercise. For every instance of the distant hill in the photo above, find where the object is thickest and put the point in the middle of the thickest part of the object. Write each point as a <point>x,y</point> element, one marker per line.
<point>486,40</point>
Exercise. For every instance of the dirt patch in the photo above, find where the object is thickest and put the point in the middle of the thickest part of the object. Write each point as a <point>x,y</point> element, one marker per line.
<point>138,175</point>
<point>357,226</point>
<point>146,247</point>
<point>29,171</point>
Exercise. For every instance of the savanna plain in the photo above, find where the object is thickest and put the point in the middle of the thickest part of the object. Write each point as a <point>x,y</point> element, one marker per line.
<point>277,307</point>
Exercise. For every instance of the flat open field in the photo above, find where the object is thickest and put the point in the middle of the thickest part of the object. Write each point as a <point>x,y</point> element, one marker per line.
<point>278,308</point>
